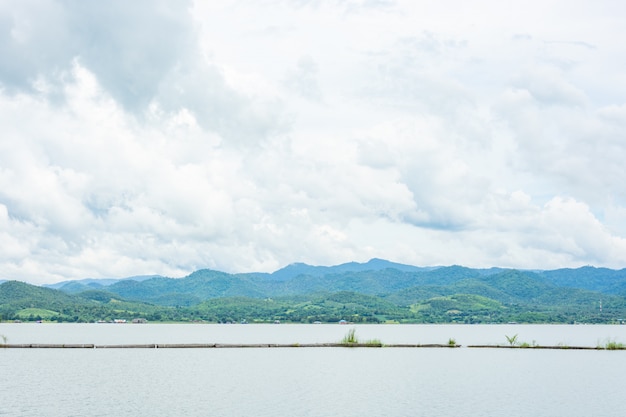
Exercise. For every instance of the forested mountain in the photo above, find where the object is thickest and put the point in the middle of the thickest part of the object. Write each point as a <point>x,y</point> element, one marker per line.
<point>374,291</point>
<point>604,280</point>
<point>21,301</point>
<point>299,269</point>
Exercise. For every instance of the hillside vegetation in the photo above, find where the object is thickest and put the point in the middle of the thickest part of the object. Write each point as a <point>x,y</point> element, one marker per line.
<point>376,291</point>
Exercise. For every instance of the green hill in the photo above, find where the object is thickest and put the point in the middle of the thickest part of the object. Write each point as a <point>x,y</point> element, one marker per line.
<point>376,291</point>
<point>21,301</point>
<point>603,280</point>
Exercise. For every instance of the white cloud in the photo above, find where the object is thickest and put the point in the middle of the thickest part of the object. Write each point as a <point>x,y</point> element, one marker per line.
<point>549,86</point>
<point>165,137</point>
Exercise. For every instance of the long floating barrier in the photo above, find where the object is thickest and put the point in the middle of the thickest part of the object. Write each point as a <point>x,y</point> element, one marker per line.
<point>47,346</point>
<point>563,347</point>
<point>218,345</point>
<point>281,345</point>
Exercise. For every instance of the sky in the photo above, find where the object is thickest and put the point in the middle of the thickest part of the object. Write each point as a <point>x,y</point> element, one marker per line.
<point>166,136</point>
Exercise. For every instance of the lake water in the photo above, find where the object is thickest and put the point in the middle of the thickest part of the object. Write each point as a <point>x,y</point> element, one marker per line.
<point>310,381</point>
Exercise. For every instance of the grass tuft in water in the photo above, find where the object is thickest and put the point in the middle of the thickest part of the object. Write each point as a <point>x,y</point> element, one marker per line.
<point>373,343</point>
<point>613,345</point>
<point>350,338</point>
<point>511,339</point>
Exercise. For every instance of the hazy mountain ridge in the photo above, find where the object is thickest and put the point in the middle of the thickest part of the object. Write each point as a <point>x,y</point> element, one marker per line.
<point>75,286</point>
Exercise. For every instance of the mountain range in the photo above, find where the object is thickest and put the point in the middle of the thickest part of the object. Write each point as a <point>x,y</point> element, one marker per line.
<point>378,290</point>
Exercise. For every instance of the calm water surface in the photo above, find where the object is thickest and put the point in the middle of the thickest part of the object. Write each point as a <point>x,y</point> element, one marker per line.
<point>310,381</point>
<point>579,335</point>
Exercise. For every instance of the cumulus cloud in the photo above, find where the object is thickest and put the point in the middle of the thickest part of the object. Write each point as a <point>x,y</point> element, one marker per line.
<point>130,47</point>
<point>141,54</point>
<point>162,137</point>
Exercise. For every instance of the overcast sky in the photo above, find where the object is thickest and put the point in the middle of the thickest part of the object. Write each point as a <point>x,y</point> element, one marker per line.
<point>161,137</point>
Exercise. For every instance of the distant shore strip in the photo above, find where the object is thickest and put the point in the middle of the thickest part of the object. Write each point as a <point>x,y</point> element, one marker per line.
<point>275,345</point>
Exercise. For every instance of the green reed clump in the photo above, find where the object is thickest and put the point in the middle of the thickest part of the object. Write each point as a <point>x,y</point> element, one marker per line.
<point>373,343</point>
<point>613,345</point>
<point>350,338</point>
<point>452,342</point>
<point>511,339</point>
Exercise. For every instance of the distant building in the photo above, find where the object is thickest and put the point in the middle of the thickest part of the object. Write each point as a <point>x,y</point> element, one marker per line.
<point>140,321</point>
